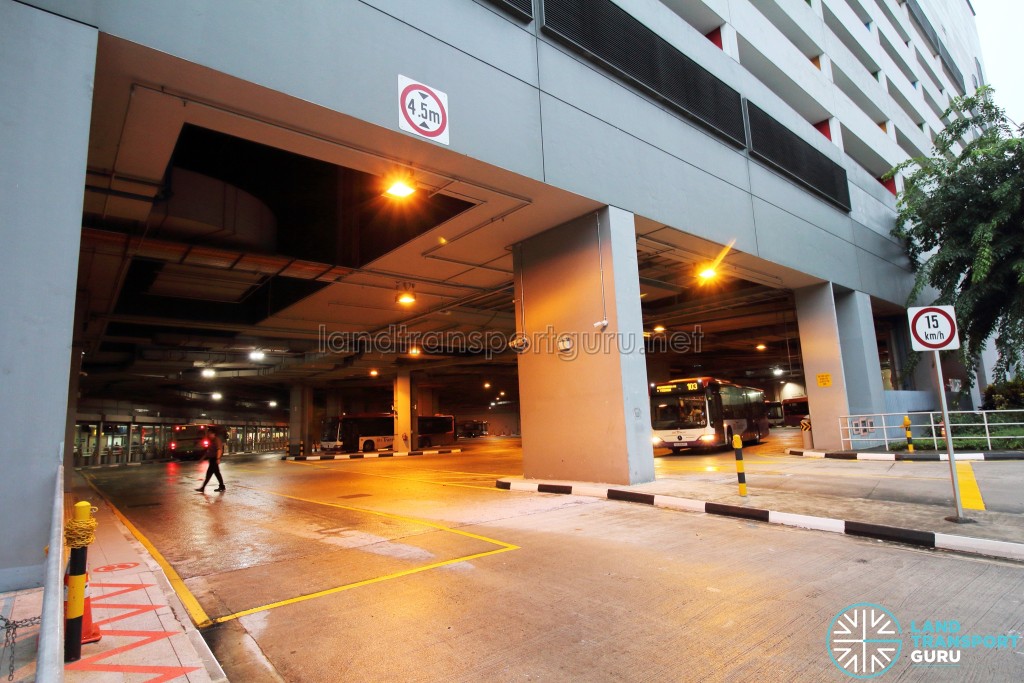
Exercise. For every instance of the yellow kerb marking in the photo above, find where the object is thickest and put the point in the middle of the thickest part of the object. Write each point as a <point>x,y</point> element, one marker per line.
<point>195,611</point>
<point>970,494</point>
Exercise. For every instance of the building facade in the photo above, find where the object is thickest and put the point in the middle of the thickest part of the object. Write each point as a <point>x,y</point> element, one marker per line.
<point>573,149</point>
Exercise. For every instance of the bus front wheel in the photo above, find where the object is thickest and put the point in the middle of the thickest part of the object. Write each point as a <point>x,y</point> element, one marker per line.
<point>425,442</point>
<point>368,446</point>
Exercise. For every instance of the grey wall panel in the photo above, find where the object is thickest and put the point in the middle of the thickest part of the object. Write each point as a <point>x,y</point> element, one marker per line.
<point>879,245</point>
<point>773,187</point>
<point>578,83</point>
<point>881,279</point>
<point>790,241</point>
<point>332,53</point>
<point>585,155</point>
<point>46,75</point>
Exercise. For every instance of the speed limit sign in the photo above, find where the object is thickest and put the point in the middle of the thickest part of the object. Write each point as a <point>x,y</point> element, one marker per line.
<point>933,328</point>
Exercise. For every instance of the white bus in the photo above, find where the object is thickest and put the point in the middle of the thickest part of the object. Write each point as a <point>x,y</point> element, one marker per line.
<point>365,432</point>
<point>704,412</point>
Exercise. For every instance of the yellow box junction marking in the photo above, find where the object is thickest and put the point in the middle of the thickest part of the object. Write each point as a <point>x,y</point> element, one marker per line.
<point>203,620</point>
<point>970,494</point>
<point>503,547</point>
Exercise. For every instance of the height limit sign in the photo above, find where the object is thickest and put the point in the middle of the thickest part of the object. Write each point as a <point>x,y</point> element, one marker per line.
<point>422,110</point>
<point>933,328</point>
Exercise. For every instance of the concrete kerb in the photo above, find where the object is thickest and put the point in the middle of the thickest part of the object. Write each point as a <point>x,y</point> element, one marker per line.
<point>926,539</point>
<point>920,456</point>
<point>374,454</point>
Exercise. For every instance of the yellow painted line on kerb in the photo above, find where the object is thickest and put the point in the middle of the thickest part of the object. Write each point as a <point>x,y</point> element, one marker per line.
<point>195,611</point>
<point>970,494</point>
<point>503,547</point>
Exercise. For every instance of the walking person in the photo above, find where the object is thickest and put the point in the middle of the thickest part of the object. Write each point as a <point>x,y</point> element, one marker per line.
<point>214,451</point>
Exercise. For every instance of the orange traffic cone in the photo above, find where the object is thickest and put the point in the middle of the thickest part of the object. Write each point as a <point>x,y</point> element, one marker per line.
<point>90,631</point>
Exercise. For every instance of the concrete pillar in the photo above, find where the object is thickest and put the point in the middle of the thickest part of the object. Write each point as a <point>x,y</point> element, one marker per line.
<point>822,353</point>
<point>730,41</point>
<point>70,427</point>
<point>405,411</point>
<point>583,373</point>
<point>301,409</point>
<point>46,77</point>
<point>425,402</point>
<point>859,345</point>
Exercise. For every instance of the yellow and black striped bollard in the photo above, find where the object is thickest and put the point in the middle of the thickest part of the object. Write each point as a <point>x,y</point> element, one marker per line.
<point>910,434</point>
<point>741,476</point>
<point>79,532</point>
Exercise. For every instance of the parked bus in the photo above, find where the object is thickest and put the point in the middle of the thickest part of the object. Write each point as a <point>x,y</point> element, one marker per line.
<point>776,418</point>
<point>189,442</point>
<point>704,412</point>
<point>794,410</point>
<point>376,432</point>
<point>435,430</point>
<point>365,432</point>
<point>472,428</point>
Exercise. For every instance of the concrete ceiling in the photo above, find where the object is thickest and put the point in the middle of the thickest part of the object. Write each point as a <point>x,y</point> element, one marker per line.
<point>219,220</point>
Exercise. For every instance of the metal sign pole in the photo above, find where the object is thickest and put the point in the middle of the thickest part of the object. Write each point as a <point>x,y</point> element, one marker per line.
<point>949,443</point>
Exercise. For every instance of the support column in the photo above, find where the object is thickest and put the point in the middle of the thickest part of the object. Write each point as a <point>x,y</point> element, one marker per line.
<point>822,354</point>
<point>863,371</point>
<point>298,418</point>
<point>584,406</point>
<point>46,77</point>
<point>70,424</point>
<point>405,411</point>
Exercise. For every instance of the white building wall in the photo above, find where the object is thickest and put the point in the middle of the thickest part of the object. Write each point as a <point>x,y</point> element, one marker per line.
<point>46,72</point>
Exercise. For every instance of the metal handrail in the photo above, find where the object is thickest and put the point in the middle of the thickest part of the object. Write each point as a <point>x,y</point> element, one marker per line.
<point>50,654</point>
<point>852,426</point>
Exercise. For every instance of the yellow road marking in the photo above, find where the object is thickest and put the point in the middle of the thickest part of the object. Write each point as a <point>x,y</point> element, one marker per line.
<point>503,547</point>
<point>970,494</point>
<point>195,611</point>
<point>202,620</point>
<point>391,476</point>
<point>378,579</point>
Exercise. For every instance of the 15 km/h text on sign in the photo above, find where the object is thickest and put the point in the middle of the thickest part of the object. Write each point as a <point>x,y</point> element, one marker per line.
<point>933,328</point>
<point>422,110</point>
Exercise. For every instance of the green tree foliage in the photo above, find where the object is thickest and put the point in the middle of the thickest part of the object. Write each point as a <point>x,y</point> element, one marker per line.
<point>1004,395</point>
<point>961,219</point>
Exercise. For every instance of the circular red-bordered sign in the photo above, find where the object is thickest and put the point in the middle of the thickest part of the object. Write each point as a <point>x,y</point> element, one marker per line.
<point>930,344</point>
<point>409,89</point>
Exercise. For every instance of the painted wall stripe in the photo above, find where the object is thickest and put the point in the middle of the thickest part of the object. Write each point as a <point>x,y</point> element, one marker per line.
<point>808,522</point>
<point>593,491</point>
<point>554,488</point>
<point>890,533</point>
<point>983,546</point>
<point>631,496</point>
<point>674,503</point>
<point>736,511</point>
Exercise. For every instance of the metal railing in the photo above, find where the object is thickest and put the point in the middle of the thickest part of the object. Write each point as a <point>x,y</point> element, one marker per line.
<point>50,653</point>
<point>969,429</point>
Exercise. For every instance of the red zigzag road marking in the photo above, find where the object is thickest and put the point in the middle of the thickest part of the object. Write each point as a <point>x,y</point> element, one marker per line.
<point>94,663</point>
